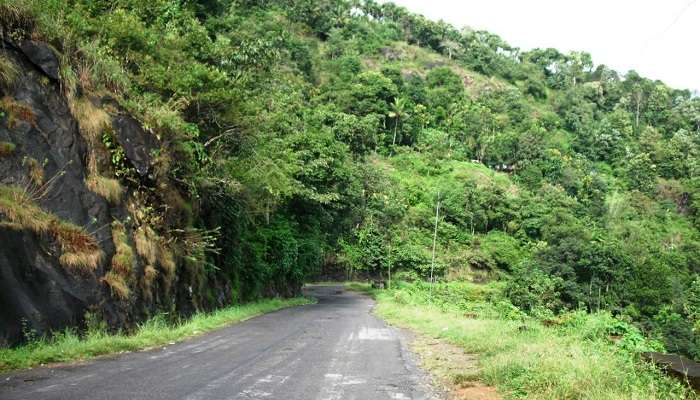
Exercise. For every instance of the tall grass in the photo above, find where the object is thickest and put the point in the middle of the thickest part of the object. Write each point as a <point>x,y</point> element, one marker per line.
<point>69,346</point>
<point>525,359</point>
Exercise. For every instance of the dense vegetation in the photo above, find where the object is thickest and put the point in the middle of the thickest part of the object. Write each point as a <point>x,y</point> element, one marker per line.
<point>318,132</point>
<point>567,357</point>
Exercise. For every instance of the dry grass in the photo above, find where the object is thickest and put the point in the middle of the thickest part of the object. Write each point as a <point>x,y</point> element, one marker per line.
<point>83,75</point>
<point>17,16</point>
<point>8,72</point>
<point>108,188</point>
<point>36,170</point>
<point>168,264</point>
<point>6,149</point>
<point>91,119</point>
<point>167,259</point>
<point>18,208</point>
<point>454,370</point>
<point>146,244</point>
<point>123,258</point>
<point>117,285</point>
<point>149,276</point>
<point>80,250</point>
<point>17,112</point>
<point>82,260</point>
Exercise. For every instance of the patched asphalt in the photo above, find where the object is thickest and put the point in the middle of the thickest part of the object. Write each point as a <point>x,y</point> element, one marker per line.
<point>335,349</point>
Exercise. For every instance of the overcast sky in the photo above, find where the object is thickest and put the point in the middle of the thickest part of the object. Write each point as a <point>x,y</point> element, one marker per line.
<point>660,39</point>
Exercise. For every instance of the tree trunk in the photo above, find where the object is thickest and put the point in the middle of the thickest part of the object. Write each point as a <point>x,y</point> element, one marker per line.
<point>432,262</point>
<point>393,142</point>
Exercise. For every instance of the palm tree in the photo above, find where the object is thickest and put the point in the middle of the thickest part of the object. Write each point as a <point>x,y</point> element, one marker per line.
<point>398,113</point>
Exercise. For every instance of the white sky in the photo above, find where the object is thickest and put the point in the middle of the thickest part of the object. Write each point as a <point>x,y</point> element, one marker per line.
<point>657,38</point>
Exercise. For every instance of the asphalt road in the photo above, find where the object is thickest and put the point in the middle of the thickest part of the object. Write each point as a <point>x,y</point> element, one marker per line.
<point>332,350</point>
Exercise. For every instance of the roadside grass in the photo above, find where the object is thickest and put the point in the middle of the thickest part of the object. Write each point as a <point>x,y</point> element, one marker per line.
<point>365,288</point>
<point>69,346</point>
<point>523,358</point>
<point>328,283</point>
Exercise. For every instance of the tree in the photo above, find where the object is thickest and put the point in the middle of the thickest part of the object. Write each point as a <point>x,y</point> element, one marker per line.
<point>372,250</point>
<point>451,47</point>
<point>640,172</point>
<point>398,113</point>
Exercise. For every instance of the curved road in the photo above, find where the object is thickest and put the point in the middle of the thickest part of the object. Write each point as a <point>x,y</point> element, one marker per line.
<point>332,350</point>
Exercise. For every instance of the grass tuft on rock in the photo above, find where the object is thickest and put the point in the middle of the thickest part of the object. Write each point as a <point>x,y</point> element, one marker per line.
<point>16,112</point>
<point>123,258</point>
<point>8,71</point>
<point>18,208</point>
<point>117,284</point>
<point>91,119</point>
<point>146,244</point>
<point>36,170</point>
<point>6,149</point>
<point>80,250</point>
<point>108,188</point>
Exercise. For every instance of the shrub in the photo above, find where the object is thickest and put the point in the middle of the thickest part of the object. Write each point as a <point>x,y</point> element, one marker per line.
<point>533,290</point>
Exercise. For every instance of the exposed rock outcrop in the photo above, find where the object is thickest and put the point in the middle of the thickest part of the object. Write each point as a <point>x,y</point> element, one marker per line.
<point>42,56</point>
<point>51,161</point>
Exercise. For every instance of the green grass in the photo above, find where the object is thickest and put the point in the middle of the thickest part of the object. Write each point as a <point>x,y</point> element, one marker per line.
<point>525,359</point>
<point>68,346</point>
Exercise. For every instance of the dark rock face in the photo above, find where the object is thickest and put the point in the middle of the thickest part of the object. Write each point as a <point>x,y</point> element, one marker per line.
<point>136,142</point>
<point>391,54</point>
<point>34,294</point>
<point>35,291</point>
<point>41,55</point>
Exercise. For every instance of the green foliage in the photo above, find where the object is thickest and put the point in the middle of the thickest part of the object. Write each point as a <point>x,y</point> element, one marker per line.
<point>535,291</point>
<point>117,155</point>
<point>570,357</point>
<point>371,254</point>
<point>306,129</point>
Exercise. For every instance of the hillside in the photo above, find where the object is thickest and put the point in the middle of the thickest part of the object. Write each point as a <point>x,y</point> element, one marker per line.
<point>176,156</point>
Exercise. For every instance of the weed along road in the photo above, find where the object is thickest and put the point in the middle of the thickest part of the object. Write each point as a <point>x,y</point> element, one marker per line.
<point>331,350</point>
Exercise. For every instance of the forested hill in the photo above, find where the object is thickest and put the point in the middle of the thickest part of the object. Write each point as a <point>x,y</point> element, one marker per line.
<point>278,139</point>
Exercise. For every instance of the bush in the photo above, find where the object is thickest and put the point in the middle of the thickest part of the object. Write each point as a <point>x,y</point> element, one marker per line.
<point>533,290</point>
